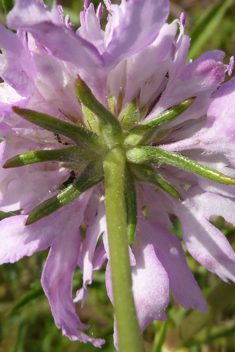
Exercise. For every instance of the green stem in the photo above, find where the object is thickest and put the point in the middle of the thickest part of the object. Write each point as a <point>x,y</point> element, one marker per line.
<point>129,336</point>
<point>160,337</point>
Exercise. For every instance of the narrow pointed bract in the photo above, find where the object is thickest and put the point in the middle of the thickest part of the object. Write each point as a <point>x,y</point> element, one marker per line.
<point>147,174</point>
<point>83,183</point>
<point>108,123</point>
<point>141,155</point>
<point>144,132</point>
<point>77,133</point>
<point>69,154</point>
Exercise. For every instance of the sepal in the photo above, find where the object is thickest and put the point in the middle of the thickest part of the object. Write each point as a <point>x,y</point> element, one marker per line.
<point>147,174</point>
<point>145,132</point>
<point>92,175</point>
<point>7,5</point>
<point>79,134</point>
<point>90,119</point>
<point>75,166</point>
<point>142,155</point>
<point>70,154</point>
<point>130,116</point>
<point>108,122</point>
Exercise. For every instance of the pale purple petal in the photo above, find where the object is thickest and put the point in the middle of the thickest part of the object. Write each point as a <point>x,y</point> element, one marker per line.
<point>231,66</point>
<point>133,26</point>
<point>85,259</point>
<point>150,284</point>
<point>25,189</point>
<point>46,27</point>
<point>147,69</point>
<point>56,85</point>
<point>92,206</point>
<point>169,252</point>
<point>9,97</point>
<point>106,247</point>
<point>86,4</point>
<point>204,241</point>
<point>81,56</point>
<point>91,30</point>
<point>156,203</point>
<point>99,257</point>
<point>17,73</point>
<point>2,148</point>
<point>18,240</point>
<point>218,134</point>
<point>59,270</point>
<point>220,163</point>
<point>99,11</point>
<point>200,76</point>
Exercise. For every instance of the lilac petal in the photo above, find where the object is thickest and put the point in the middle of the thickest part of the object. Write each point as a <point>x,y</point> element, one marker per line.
<point>68,23</point>
<point>99,11</point>
<point>147,69</point>
<point>19,240</point>
<point>81,56</point>
<point>99,257</point>
<point>10,97</point>
<point>86,4</point>
<point>25,188</point>
<point>231,66</point>
<point>2,149</point>
<point>56,85</point>
<point>82,18</point>
<point>220,163</point>
<point>17,73</point>
<point>108,281</point>
<point>91,30</point>
<point>133,26</point>
<point>93,204</point>
<point>46,27</point>
<point>106,247</point>
<point>150,284</point>
<point>218,134</point>
<point>205,242</point>
<point>96,228</point>
<point>6,111</point>
<point>158,206</point>
<point>58,273</point>
<point>200,76</point>
<point>169,251</point>
<point>65,20</point>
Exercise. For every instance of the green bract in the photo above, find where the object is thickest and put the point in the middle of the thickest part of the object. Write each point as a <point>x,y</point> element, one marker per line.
<point>91,144</point>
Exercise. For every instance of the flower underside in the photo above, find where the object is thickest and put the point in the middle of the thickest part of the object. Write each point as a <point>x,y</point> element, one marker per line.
<point>101,132</point>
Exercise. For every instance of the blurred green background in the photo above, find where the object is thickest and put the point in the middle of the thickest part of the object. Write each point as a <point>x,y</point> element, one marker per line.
<point>26,322</point>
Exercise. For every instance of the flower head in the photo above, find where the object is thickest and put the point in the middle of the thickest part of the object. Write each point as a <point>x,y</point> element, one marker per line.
<point>69,99</point>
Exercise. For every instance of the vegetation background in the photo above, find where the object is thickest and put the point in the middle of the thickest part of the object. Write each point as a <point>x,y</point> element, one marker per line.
<point>26,322</point>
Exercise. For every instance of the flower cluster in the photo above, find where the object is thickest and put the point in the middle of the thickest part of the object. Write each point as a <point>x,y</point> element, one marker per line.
<point>70,97</point>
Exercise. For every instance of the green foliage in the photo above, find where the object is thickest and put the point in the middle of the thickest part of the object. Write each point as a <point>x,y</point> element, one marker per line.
<point>206,25</point>
<point>7,5</point>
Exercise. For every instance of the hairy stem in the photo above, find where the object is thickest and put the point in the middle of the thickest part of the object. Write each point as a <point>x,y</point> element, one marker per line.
<point>129,336</point>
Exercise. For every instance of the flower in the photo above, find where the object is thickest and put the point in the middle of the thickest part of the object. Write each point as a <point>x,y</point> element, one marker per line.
<point>72,96</point>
